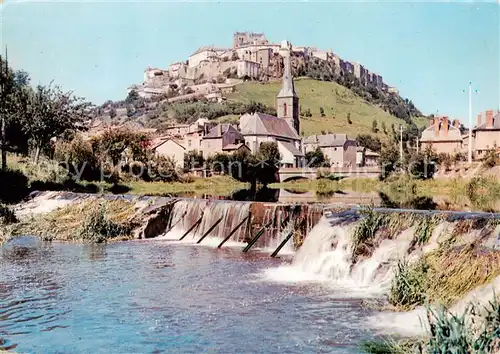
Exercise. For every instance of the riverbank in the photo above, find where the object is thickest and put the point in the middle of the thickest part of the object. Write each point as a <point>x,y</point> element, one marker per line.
<point>480,193</point>
<point>406,259</point>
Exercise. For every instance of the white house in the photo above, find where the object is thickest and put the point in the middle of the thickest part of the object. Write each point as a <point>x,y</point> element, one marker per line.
<point>170,148</point>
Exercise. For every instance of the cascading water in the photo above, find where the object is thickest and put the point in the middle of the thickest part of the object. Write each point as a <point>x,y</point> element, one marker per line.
<point>326,256</point>
<point>186,213</point>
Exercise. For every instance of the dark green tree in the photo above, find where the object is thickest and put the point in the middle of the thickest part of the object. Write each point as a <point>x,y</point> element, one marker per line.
<point>369,141</point>
<point>316,158</point>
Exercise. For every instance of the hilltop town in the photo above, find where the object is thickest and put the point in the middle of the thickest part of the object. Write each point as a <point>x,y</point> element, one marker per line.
<point>185,107</point>
<point>209,70</point>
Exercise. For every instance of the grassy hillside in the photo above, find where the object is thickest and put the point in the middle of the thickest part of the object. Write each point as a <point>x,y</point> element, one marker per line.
<point>336,101</point>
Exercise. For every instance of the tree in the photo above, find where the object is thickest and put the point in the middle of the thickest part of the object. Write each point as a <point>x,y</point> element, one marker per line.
<point>193,159</point>
<point>132,96</point>
<point>321,111</point>
<point>374,126</point>
<point>268,162</point>
<point>235,56</point>
<point>11,85</point>
<point>112,113</point>
<point>49,112</point>
<point>384,128</point>
<point>349,118</point>
<point>316,158</point>
<point>369,141</point>
<point>389,160</point>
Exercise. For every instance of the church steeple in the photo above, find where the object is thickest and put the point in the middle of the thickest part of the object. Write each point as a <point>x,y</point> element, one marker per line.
<point>287,101</point>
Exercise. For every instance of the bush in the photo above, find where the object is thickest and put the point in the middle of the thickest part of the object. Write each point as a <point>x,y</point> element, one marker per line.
<point>14,186</point>
<point>364,233</point>
<point>409,284</point>
<point>491,159</point>
<point>98,228</point>
<point>7,216</point>
<point>483,192</point>
<point>476,330</point>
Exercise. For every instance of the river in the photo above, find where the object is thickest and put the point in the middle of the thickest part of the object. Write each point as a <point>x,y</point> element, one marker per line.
<point>159,296</point>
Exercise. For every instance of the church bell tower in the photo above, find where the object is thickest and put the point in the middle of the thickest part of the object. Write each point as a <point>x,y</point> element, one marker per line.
<point>287,101</point>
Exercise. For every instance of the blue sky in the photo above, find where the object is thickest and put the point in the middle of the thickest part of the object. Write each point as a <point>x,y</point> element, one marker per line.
<point>429,51</point>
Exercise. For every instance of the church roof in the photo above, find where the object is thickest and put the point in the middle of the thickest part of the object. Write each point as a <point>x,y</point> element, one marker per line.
<point>264,124</point>
<point>291,148</point>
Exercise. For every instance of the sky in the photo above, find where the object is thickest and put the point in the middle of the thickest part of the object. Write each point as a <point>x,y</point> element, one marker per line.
<point>430,51</point>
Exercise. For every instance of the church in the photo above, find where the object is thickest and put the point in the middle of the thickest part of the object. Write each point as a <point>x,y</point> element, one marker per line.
<point>284,129</point>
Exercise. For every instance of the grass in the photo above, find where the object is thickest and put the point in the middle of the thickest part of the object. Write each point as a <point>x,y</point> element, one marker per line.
<point>443,276</point>
<point>337,102</point>
<point>216,186</point>
<point>89,221</point>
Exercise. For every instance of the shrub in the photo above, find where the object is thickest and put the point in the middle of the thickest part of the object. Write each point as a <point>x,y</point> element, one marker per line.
<point>7,216</point>
<point>483,192</point>
<point>409,284</point>
<point>14,186</point>
<point>365,231</point>
<point>491,159</point>
<point>98,228</point>
<point>476,330</point>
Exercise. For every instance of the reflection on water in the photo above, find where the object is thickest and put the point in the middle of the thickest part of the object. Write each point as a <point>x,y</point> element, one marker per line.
<point>154,296</point>
<point>273,195</point>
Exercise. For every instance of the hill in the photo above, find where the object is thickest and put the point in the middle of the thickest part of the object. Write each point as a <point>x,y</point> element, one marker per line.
<point>326,106</point>
<point>338,103</point>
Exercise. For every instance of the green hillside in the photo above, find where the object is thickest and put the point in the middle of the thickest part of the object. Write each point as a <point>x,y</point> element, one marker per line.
<point>337,102</point>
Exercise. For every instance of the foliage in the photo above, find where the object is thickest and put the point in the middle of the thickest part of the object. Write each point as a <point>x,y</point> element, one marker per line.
<point>364,234</point>
<point>79,159</point>
<point>388,346</point>
<point>112,143</point>
<point>14,186</point>
<point>193,159</point>
<point>90,221</point>
<point>491,159</point>
<point>483,192</point>
<point>374,126</point>
<point>191,111</point>
<point>422,165</point>
<point>476,330</point>
<point>97,227</point>
<point>49,112</point>
<point>369,141</point>
<point>349,121</point>
<point>268,162</point>
<point>316,158</point>
<point>7,216</point>
<point>409,284</point>
<point>389,160</point>
<point>321,111</point>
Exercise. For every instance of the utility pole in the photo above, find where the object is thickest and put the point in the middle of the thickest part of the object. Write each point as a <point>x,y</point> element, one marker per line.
<point>470,124</point>
<point>401,144</point>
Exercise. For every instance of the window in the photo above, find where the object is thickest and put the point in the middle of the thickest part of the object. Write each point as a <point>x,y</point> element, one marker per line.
<point>189,143</point>
<point>334,149</point>
<point>285,109</point>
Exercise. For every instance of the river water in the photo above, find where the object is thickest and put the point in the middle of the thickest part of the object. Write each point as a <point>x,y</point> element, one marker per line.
<point>158,296</point>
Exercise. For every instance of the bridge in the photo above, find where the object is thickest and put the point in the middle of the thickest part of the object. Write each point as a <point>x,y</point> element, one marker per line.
<point>290,174</point>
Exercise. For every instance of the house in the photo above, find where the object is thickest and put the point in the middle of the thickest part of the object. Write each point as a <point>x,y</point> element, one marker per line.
<point>284,129</point>
<point>220,137</point>
<point>196,132</point>
<point>337,148</point>
<point>442,136</point>
<point>366,157</point>
<point>487,133</point>
<point>177,129</point>
<point>170,148</point>
<point>230,148</point>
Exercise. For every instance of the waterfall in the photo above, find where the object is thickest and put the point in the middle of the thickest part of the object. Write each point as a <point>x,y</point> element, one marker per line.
<point>326,256</point>
<point>187,212</point>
